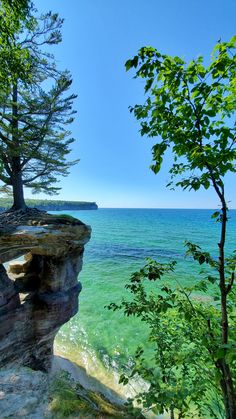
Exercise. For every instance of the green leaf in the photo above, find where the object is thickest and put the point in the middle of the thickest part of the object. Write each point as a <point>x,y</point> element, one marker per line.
<point>201,259</point>
<point>128,65</point>
<point>215,214</point>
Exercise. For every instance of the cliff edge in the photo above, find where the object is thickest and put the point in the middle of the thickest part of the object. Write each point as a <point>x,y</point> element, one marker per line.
<point>39,293</point>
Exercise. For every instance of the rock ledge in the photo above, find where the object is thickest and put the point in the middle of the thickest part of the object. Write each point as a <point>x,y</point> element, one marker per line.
<point>40,293</point>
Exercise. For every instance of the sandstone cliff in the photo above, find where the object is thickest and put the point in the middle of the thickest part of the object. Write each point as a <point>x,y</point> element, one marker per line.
<point>39,293</point>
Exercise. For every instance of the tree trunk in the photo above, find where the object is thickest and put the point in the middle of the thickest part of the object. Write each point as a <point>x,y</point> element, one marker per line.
<point>227,389</point>
<point>16,177</point>
<point>17,185</point>
<point>226,382</point>
<point>172,415</point>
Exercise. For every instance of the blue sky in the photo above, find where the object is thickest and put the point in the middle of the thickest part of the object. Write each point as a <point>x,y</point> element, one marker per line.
<point>98,37</point>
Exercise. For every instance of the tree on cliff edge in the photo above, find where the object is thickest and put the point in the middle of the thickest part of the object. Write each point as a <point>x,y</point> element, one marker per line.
<point>35,111</point>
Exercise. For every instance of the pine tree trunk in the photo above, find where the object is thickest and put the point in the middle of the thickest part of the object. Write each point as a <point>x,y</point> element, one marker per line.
<point>16,177</point>
<point>17,185</point>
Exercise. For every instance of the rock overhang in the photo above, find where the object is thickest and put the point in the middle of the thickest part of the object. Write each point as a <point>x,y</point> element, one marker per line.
<point>53,247</point>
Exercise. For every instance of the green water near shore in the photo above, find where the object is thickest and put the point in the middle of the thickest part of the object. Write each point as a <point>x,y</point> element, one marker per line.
<point>100,340</point>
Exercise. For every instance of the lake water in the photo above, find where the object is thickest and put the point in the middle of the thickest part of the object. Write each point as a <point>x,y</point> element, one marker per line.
<point>101,340</point>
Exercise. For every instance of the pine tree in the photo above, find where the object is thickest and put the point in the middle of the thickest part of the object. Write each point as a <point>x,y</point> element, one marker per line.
<point>34,114</point>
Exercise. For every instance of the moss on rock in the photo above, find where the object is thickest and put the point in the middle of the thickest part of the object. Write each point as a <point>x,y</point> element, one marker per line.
<point>68,399</point>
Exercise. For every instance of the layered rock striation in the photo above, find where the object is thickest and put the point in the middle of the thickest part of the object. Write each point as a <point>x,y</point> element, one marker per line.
<point>39,293</point>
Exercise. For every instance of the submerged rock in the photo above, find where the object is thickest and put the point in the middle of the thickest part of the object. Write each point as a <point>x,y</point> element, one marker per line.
<point>40,293</point>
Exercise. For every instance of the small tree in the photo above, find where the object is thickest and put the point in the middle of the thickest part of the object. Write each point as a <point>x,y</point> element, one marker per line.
<point>189,109</point>
<point>35,112</point>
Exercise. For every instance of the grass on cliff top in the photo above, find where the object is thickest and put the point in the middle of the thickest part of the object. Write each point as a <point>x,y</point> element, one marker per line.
<point>69,399</point>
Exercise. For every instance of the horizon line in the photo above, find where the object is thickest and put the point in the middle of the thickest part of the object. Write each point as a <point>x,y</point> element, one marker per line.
<point>169,208</point>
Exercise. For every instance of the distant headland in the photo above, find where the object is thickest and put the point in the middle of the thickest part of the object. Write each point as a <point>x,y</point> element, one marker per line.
<point>51,204</point>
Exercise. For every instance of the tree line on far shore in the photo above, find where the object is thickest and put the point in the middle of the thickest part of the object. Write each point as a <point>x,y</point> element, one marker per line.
<point>50,204</point>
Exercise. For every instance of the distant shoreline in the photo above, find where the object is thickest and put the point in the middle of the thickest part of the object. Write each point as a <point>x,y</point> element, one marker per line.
<point>51,204</point>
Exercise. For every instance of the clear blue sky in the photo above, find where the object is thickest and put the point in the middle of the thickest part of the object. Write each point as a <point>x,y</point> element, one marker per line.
<point>98,37</point>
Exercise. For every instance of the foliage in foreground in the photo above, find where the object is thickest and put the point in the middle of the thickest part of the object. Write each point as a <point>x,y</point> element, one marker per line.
<point>69,399</point>
<point>189,109</point>
<point>185,339</point>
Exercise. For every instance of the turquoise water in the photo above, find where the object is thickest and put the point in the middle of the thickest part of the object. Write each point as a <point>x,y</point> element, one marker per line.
<point>102,340</point>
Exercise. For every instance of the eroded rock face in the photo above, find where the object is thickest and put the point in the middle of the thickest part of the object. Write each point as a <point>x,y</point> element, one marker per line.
<point>39,294</point>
